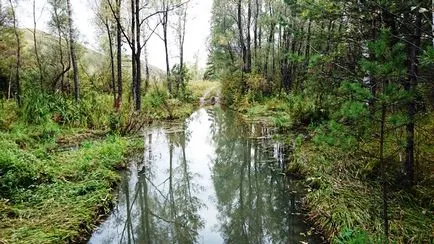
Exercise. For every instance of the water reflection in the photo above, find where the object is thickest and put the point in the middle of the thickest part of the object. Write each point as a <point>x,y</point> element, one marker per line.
<point>212,179</point>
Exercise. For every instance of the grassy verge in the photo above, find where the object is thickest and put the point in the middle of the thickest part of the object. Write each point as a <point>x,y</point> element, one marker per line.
<point>344,199</point>
<point>50,196</point>
<point>348,207</point>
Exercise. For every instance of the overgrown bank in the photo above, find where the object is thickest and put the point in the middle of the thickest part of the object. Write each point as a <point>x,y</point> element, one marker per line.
<point>59,160</point>
<point>344,198</point>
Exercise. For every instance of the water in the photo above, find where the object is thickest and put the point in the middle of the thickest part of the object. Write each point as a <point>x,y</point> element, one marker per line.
<point>212,179</point>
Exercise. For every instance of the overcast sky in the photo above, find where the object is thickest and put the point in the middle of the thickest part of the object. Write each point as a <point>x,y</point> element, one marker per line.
<point>198,29</point>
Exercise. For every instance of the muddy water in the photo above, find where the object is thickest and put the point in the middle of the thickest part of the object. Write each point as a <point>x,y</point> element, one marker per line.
<point>211,179</point>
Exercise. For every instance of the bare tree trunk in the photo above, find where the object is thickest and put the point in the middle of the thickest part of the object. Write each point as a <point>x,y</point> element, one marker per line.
<point>73,54</point>
<point>138,58</point>
<point>133,51</point>
<point>119,55</point>
<point>255,33</point>
<point>35,45</point>
<point>284,62</point>
<point>10,84</point>
<point>182,23</point>
<point>146,70</point>
<point>249,45</point>
<point>61,76</point>
<point>18,53</point>
<point>269,43</point>
<point>165,23</point>
<point>307,50</point>
<point>112,62</point>
<point>241,35</point>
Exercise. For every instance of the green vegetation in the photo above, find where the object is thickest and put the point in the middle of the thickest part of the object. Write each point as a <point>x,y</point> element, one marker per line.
<point>50,196</point>
<point>59,161</point>
<point>67,127</point>
<point>350,83</point>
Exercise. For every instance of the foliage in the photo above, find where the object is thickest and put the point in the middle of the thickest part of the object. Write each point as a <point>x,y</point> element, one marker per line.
<point>357,83</point>
<point>181,78</point>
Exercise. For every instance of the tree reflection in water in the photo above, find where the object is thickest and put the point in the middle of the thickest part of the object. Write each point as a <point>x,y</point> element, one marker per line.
<point>157,199</point>
<point>254,199</point>
<point>212,179</point>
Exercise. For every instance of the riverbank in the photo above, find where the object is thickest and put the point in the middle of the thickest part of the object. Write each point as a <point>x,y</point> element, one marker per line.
<point>344,199</point>
<point>57,177</point>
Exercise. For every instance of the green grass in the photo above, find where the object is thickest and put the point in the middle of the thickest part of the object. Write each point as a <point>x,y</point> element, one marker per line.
<point>347,207</point>
<point>52,197</point>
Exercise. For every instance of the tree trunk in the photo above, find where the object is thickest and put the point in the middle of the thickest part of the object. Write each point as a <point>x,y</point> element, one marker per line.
<point>383,173</point>
<point>73,54</point>
<point>35,45</point>
<point>61,75</point>
<point>119,55</point>
<point>138,59</point>
<point>10,84</point>
<point>241,35</point>
<point>166,49</point>
<point>257,36</point>
<point>284,63</point>
<point>18,54</point>
<point>112,62</point>
<point>249,45</point>
<point>307,51</point>
<point>410,86</point>
<point>146,70</point>
<point>182,22</point>
<point>133,52</point>
<point>269,43</point>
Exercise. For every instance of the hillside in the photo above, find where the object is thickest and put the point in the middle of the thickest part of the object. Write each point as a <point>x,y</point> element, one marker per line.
<point>90,59</point>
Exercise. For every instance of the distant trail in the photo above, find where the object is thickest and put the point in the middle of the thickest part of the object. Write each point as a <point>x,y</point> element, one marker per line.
<point>207,99</point>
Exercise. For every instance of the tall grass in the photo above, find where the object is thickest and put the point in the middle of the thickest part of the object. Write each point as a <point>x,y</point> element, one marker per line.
<point>92,111</point>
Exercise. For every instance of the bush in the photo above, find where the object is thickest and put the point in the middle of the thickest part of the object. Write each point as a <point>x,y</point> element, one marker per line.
<point>232,88</point>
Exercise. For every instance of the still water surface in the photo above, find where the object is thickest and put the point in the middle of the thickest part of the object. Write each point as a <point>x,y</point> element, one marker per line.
<point>211,179</point>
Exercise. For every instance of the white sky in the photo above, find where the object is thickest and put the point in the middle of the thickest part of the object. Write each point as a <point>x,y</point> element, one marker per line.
<point>198,29</point>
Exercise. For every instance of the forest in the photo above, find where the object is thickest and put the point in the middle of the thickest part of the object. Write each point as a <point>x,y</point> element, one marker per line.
<point>347,87</point>
<point>354,78</point>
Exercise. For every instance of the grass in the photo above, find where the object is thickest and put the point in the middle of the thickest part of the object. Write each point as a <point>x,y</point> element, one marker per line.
<point>52,197</point>
<point>340,201</point>
<point>284,111</point>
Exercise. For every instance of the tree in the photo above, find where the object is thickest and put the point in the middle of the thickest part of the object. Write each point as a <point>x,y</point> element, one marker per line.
<point>35,46</point>
<point>59,25</point>
<point>107,23</point>
<point>118,52</point>
<point>180,28</point>
<point>18,51</point>
<point>164,23</point>
<point>72,51</point>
